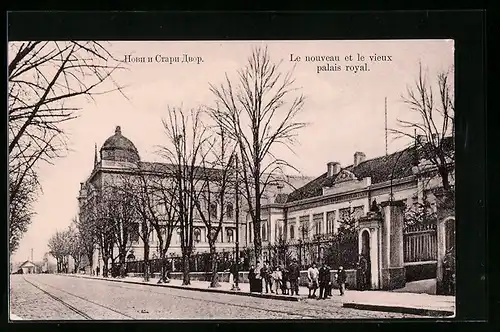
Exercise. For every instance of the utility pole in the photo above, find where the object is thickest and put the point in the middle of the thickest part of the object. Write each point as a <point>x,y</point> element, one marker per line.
<point>386,152</point>
<point>237,220</point>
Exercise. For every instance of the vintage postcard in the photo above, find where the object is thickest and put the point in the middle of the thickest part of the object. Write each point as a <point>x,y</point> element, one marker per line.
<point>166,180</point>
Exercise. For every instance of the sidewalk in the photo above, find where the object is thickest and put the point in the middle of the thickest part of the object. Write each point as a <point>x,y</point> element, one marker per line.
<point>387,301</point>
<point>410,303</point>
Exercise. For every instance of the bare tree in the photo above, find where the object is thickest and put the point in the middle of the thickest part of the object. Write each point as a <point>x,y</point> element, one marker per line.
<point>434,124</point>
<point>44,81</point>
<point>164,215</point>
<point>258,116</point>
<point>216,179</point>
<point>59,246</point>
<point>186,137</point>
<point>87,230</point>
<point>124,221</point>
<point>98,216</point>
<point>20,210</point>
<point>141,189</point>
<point>76,249</point>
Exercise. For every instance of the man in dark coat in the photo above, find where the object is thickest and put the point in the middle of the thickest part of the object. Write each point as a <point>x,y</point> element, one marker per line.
<point>341,278</point>
<point>285,280</point>
<point>252,280</point>
<point>265,272</point>
<point>293,276</point>
<point>324,280</point>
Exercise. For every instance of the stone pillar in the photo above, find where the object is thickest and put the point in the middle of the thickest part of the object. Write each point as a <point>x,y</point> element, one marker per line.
<point>372,223</point>
<point>393,270</point>
<point>445,203</point>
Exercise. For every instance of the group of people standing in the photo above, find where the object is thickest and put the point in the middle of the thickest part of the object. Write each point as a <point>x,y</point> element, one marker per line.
<point>274,279</point>
<point>321,278</point>
<point>286,279</point>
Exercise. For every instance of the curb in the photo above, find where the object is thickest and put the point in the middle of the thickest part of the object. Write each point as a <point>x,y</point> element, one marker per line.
<point>397,309</point>
<point>206,290</point>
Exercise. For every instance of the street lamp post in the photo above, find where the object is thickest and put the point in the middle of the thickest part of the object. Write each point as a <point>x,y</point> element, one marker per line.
<point>237,220</point>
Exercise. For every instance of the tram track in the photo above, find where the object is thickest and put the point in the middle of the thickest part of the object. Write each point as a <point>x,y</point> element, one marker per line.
<point>70,306</point>
<point>290,312</point>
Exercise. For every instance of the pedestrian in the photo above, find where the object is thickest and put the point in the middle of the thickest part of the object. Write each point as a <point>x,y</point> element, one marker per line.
<point>324,280</point>
<point>277,279</point>
<point>293,277</point>
<point>312,276</point>
<point>341,278</point>
<point>330,284</point>
<point>258,276</point>
<point>97,270</point>
<point>252,279</point>
<point>266,277</point>
<point>233,273</point>
<point>285,283</point>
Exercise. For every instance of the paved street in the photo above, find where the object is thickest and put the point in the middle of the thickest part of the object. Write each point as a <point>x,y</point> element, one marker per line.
<point>61,297</point>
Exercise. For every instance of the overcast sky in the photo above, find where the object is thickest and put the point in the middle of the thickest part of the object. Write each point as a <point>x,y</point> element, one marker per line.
<point>345,109</point>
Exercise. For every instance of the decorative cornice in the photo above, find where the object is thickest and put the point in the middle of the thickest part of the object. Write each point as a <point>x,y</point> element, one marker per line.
<point>346,196</point>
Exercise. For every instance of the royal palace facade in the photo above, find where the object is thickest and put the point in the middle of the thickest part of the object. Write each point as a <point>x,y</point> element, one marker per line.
<point>297,209</point>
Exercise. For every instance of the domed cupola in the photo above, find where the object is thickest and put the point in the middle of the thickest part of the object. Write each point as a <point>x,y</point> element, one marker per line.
<point>119,148</point>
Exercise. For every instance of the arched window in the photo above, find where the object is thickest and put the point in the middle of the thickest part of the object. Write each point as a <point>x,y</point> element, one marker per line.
<point>292,232</point>
<point>230,235</point>
<point>229,211</point>
<point>197,235</point>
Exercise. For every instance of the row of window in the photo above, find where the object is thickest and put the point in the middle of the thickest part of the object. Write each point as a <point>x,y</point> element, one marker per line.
<point>305,227</point>
<point>199,235</point>
<point>213,210</point>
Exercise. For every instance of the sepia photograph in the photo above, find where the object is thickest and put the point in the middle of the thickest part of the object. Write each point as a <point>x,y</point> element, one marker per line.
<point>231,180</point>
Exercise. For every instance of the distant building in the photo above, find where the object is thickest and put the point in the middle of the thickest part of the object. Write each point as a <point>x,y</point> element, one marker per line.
<point>29,267</point>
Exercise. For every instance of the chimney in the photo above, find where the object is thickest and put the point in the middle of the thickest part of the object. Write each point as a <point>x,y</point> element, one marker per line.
<point>359,157</point>
<point>333,168</point>
<point>81,185</point>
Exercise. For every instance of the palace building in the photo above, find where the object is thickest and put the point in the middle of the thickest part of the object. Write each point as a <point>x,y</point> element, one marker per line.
<point>119,158</point>
<point>299,210</point>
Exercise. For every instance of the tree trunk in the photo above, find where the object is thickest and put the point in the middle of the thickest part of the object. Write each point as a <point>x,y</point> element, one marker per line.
<point>186,280</point>
<point>121,264</point>
<point>163,261</point>
<point>90,257</point>
<point>214,277</point>
<point>257,231</point>
<point>105,270</point>
<point>77,266</point>
<point>146,261</point>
